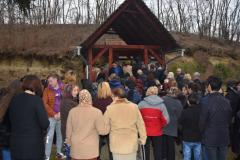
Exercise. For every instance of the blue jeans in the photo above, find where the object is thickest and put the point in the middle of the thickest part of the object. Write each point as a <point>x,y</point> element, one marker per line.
<point>55,125</point>
<point>187,150</point>
<point>6,155</point>
<point>215,153</point>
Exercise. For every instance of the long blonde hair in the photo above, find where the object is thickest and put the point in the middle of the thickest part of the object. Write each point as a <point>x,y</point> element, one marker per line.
<point>104,90</point>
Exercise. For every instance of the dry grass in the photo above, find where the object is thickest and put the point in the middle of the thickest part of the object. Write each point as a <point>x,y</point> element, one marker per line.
<point>58,40</point>
<point>212,47</point>
<point>42,40</point>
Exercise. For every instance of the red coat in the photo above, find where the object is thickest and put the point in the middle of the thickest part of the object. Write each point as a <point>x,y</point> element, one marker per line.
<point>154,114</point>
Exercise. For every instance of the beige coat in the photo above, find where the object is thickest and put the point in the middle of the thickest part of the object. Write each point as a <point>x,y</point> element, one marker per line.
<point>126,124</point>
<point>84,125</point>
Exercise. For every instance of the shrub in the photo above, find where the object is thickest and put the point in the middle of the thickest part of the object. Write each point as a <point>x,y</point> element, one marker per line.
<point>222,71</point>
<point>188,67</point>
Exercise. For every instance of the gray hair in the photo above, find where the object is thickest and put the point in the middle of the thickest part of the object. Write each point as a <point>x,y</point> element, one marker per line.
<point>196,75</point>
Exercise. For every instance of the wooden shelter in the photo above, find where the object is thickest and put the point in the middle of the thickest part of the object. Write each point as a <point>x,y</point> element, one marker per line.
<point>138,27</point>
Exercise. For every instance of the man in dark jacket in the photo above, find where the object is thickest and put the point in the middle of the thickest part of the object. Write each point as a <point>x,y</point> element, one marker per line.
<point>191,134</point>
<point>116,69</point>
<point>215,118</point>
<point>234,98</point>
<point>174,108</point>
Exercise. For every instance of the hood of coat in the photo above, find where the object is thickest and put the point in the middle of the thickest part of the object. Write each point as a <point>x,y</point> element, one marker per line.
<point>153,100</point>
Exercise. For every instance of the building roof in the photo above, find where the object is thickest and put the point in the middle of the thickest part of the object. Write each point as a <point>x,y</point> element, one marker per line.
<point>135,24</point>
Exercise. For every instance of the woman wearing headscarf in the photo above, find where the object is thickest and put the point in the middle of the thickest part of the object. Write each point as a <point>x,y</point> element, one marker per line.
<point>84,125</point>
<point>126,125</point>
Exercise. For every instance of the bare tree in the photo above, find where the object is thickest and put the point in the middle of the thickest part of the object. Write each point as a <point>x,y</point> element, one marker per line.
<point>212,18</point>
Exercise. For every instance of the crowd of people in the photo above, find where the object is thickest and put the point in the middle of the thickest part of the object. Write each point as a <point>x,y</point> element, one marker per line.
<point>130,108</point>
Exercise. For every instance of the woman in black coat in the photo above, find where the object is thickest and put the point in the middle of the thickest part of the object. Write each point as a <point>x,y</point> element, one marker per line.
<point>28,121</point>
<point>5,99</point>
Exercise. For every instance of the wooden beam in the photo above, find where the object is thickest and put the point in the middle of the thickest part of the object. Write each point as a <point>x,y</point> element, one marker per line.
<point>111,31</point>
<point>159,59</point>
<point>110,57</point>
<point>128,52</point>
<point>99,55</point>
<point>132,11</point>
<point>84,71</point>
<point>145,56</point>
<point>127,46</point>
<point>90,56</point>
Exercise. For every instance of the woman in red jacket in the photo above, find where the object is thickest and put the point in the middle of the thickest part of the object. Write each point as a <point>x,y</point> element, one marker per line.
<point>155,117</point>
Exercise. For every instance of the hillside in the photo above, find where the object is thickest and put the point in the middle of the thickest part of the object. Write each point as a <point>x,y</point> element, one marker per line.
<point>43,49</point>
<point>208,56</point>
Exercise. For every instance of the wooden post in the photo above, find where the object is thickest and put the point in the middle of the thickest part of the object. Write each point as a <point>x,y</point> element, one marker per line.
<point>145,56</point>
<point>110,57</point>
<point>90,58</point>
<point>84,71</point>
<point>163,58</point>
<point>99,55</point>
<point>158,58</point>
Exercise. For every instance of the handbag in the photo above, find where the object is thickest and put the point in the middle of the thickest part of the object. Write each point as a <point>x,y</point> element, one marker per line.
<point>67,151</point>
